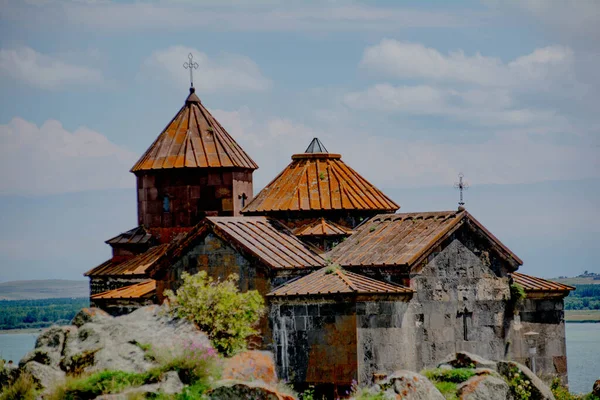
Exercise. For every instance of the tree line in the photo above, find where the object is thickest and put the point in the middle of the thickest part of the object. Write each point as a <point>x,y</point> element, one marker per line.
<point>586,297</point>
<point>23,314</point>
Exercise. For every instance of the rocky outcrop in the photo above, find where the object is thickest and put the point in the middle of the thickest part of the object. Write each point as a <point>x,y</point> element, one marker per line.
<point>235,390</point>
<point>409,385</point>
<point>484,387</point>
<point>251,365</point>
<point>539,390</point>
<point>100,342</point>
<point>596,388</point>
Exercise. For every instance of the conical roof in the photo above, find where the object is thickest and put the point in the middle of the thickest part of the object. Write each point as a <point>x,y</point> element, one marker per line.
<point>194,139</point>
<point>319,181</point>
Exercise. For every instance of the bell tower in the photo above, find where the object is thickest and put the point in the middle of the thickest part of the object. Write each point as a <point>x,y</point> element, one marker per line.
<point>192,170</point>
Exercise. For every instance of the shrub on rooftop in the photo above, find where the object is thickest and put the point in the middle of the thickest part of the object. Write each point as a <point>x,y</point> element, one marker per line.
<point>218,308</point>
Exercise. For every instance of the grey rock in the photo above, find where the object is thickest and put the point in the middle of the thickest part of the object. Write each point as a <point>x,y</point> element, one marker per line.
<point>234,390</point>
<point>463,359</point>
<point>113,343</point>
<point>410,386</point>
<point>92,314</point>
<point>43,375</point>
<point>539,390</point>
<point>484,387</point>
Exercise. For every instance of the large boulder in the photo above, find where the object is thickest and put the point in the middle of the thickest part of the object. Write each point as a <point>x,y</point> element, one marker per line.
<point>539,390</point>
<point>484,387</point>
<point>463,359</point>
<point>234,390</point>
<point>409,385</point>
<point>119,343</point>
<point>596,388</point>
<point>251,365</point>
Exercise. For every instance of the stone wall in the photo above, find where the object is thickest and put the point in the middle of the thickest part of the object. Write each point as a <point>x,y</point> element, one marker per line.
<point>386,338</point>
<point>315,341</point>
<point>460,301</point>
<point>544,316</point>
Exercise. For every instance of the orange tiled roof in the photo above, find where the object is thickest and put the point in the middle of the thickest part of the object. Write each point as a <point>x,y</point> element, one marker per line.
<point>405,239</point>
<point>137,265</point>
<point>534,284</point>
<point>140,290</point>
<point>194,139</point>
<point>319,181</point>
<point>322,227</point>
<point>331,280</point>
<point>264,238</point>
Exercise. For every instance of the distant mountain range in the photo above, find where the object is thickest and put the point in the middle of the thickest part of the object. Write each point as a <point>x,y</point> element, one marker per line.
<point>43,289</point>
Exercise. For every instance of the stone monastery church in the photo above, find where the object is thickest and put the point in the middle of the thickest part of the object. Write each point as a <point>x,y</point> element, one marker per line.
<point>353,287</point>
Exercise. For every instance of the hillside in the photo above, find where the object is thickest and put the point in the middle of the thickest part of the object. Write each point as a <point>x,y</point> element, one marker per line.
<point>43,289</point>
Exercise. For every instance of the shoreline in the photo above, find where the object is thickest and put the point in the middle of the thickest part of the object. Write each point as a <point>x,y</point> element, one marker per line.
<point>18,331</point>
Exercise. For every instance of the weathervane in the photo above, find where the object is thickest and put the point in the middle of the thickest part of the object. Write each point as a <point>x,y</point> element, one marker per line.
<point>461,185</point>
<point>191,65</point>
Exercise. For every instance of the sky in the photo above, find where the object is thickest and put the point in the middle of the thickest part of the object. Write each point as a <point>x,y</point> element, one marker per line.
<point>410,93</point>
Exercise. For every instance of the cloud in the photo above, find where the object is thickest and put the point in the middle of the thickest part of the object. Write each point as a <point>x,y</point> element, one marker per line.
<point>45,71</point>
<point>415,61</point>
<point>113,16</point>
<point>49,159</point>
<point>504,156</point>
<point>489,107</point>
<point>225,71</point>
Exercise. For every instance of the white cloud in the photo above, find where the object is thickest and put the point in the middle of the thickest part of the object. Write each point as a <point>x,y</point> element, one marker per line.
<point>49,159</point>
<point>224,71</point>
<point>485,107</point>
<point>413,60</point>
<point>45,71</point>
<point>506,156</point>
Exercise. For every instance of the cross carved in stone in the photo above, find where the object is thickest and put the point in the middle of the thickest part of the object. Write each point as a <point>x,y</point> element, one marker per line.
<point>466,315</point>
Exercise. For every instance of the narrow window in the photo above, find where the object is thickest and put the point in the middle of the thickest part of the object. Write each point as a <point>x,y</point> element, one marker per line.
<point>166,204</point>
<point>466,316</point>
<point>243,199</point>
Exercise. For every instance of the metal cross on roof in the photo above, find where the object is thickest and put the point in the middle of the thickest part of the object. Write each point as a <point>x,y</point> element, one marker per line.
<point>191,65</point>
<point>461,185</point>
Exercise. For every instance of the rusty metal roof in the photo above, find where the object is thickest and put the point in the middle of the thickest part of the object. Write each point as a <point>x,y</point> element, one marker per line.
<point>319,181</point>
<point>137,265</point>
<point>322,227</point>
<point>145,289</point>
<point>405,239</point>
<point>194,139</point>
<point>137,235</point>
<point>331,280</point>
<point>534,284</point>
<point>264,238</point>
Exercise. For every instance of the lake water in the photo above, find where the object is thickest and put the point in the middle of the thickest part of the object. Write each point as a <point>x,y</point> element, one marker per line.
<point>583,352</point>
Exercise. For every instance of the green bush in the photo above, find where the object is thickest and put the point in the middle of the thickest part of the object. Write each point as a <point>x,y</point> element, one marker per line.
<point>519,385</point>
<point>23,388</point>
<point>456,375</point>
<point>517,295</point>
<point>219,309</point>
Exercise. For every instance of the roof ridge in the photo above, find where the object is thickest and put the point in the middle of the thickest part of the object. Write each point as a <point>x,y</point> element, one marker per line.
<point>344,279</point>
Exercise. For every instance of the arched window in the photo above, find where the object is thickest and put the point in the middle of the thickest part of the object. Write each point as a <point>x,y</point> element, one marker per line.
<point>166,204</point>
